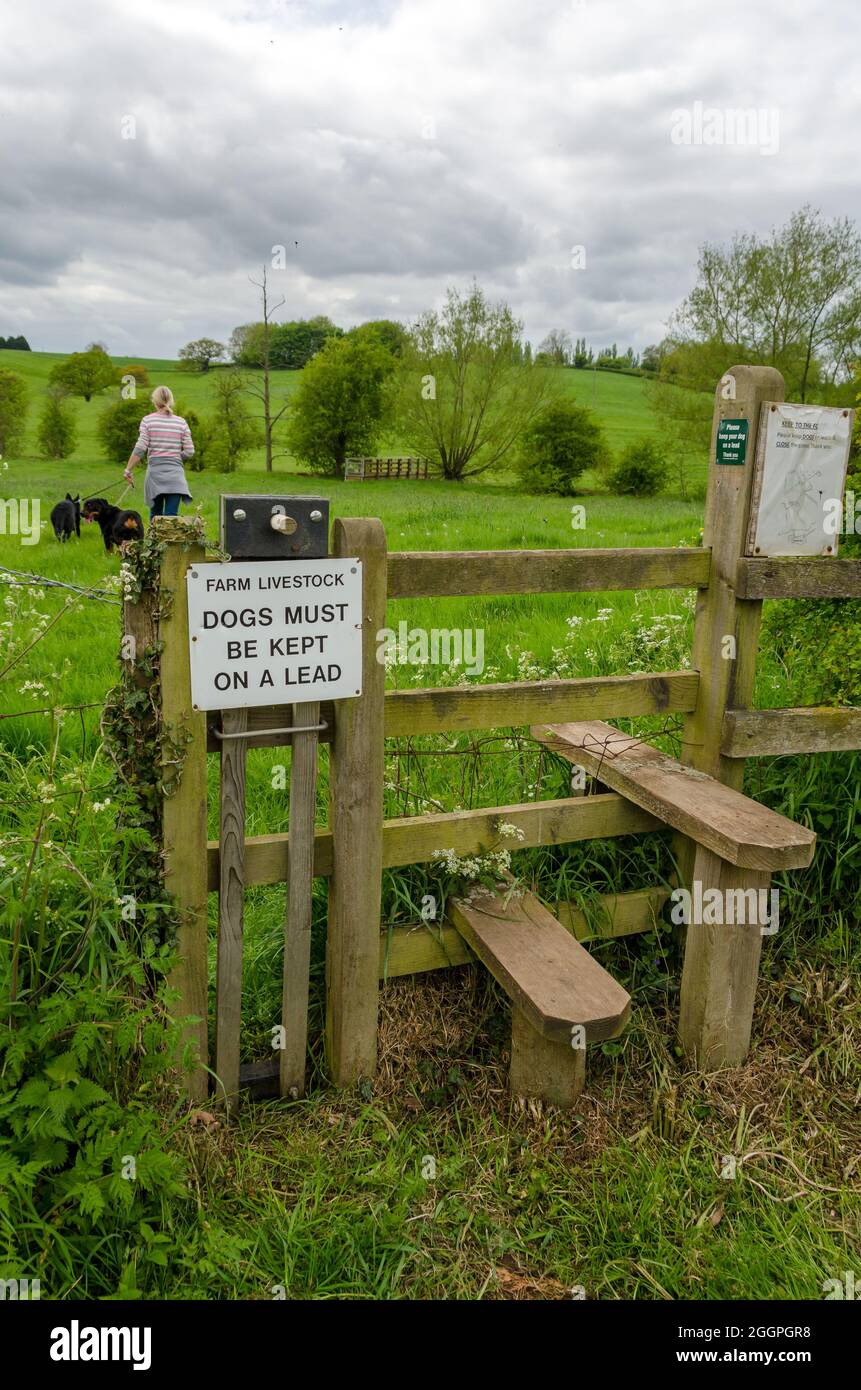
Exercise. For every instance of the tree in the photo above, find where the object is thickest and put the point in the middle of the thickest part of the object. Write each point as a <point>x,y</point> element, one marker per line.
<point>84,373</point>
<point>13,410</point>
<point>263,391</point>
<point>652,357</point>
<point>389,332</point>
<point>58,433</point>
<point>244,347</point>
<point>583,356</point>
<point>118,427</point>
<point>294,344</point>
<point>18,344</point>
<point>561,443</point>
<point>230,431</point>
<point>341,404</point>
<point>200,354</point>
<point>782,301</point>
<point>464,400</point>
<point>557,347</point>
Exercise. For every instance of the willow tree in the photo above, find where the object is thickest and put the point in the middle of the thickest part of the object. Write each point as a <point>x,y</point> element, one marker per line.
<point>466,391</point>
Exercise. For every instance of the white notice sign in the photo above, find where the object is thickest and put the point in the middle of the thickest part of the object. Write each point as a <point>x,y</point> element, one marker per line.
<point>801,459</point>
<point>272,632</point>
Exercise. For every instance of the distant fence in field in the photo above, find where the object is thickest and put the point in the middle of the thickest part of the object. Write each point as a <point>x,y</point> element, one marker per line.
<point>363,470</point>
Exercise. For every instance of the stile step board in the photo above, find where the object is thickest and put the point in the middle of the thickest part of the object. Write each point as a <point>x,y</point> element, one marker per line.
<point>721,819</point>
<point>551,979</point>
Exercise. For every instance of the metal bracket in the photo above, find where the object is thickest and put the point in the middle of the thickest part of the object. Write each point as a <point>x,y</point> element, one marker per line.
<point>259,733</point>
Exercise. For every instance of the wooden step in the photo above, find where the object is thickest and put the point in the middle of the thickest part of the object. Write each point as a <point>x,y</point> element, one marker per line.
<point>733,826</point>
<point>551,979</point>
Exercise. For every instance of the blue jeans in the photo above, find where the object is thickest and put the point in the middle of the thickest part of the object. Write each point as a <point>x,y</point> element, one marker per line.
<point>166,504</point>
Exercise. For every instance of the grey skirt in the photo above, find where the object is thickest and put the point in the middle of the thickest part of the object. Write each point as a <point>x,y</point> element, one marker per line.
<point>164,476</point>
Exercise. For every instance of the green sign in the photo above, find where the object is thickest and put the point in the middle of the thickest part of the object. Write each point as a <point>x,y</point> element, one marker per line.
<point>732,441</point>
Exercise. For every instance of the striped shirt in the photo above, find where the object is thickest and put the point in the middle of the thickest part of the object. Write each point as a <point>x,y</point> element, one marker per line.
<point>164,437</point>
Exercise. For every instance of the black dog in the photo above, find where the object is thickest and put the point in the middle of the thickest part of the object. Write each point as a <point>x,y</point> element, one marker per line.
<point>66,517</point>
<point>117,525</point>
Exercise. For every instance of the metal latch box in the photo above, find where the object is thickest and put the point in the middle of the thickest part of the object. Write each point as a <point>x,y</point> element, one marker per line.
<point>260,526</point>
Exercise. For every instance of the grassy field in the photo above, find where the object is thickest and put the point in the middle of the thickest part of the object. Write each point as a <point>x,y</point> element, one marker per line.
<point>626,1198</point>
<point>619,401</point>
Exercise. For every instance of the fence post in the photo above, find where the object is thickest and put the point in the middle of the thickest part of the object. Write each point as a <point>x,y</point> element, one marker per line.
<point>356,821</point>
<point>721,962</point>
<point>184,804</point>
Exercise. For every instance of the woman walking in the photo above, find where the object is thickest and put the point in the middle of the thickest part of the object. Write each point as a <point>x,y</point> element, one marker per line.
<point>166,440</point>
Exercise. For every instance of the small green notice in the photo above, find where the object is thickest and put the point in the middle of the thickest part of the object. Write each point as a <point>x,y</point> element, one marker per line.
<point>732,441</point>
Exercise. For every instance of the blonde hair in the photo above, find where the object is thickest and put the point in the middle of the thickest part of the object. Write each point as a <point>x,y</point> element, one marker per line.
<point>162,398</point>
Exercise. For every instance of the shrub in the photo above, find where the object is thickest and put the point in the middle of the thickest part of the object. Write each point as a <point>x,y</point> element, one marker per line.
<point>13,410</point>
<point>561,443</point>
<point>58,431</point>
<point>640,471</point>
<point>819,641</point>
<point>230,431</point>
<point>118,428</point>
<point>136,370</point>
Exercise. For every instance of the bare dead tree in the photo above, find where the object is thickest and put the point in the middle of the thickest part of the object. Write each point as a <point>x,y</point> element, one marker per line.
<point>263,392</point>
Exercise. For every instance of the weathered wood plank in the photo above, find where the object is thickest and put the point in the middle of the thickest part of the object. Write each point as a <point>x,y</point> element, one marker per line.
<point>184,806</point>
<point>615,914</point>
<point>801,577</point>
<point>300,880</point>
<point>434,574</point>
<point>720,971</point>
<point>497,705</point>
<point>231,908</point>
<point>546,973</point>
<point>413,950</point>
<point>543,1069</point>
<point>766,733</point>
<point>356,818</point>
<point>413,839</point>
<point>714,815</point>
<point>522,702</point>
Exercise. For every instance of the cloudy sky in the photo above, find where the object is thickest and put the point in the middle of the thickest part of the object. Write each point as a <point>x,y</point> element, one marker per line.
<point>152,155</point>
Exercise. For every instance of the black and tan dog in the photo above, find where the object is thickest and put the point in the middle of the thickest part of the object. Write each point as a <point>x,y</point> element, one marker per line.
<point>66,517</point>
<point>118,525</point>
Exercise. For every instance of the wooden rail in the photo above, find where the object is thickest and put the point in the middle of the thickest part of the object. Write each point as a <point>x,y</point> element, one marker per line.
<point>763,733</point>
<point>413,839</point>
<point>435,574</point>
<point>499,706</point>
<point>798,578</point>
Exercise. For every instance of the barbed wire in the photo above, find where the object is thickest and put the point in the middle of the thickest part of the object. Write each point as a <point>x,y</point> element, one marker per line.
<point>26,579</point>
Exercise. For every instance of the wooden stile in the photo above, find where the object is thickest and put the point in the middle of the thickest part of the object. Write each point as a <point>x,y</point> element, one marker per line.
<point>300,878</point>
<point>184,809</point>
<point>231,904</point>
<point>356,820</point>
<point>713,970</point>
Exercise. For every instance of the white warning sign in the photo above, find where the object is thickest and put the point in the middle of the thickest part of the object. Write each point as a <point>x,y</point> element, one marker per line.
<point>800,475</point>
<point>272,632</point>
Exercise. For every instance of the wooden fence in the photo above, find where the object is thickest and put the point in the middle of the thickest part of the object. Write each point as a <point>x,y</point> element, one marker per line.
<point>720,731</point>
<point>365,470</point>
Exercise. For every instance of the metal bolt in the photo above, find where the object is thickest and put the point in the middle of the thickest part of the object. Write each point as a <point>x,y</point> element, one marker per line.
<point>316,515</point>
<point>238,514</point>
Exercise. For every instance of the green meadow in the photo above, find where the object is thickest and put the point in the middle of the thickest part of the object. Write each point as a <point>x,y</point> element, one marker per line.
<point>331,1197</point>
